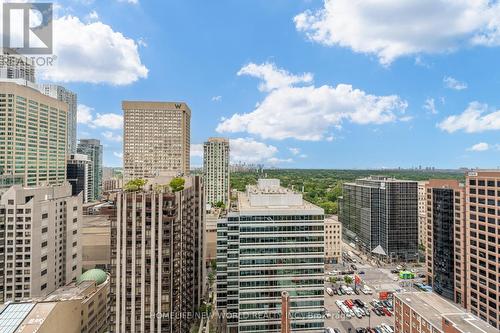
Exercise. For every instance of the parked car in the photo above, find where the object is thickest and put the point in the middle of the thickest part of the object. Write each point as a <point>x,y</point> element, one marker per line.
<point>329,291</point>
<point>336,330</point>
<point>386,312</point>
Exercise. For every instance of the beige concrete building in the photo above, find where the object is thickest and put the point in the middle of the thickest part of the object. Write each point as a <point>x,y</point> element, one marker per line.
<point>157,258</point>
<point>216,171</point>
<point>41,240</point>
<point>156,138</point>
<point>422,213</point>
<point>17,69</point>
<point>33,135</point>
<point>211,234</point>
<point>419,312</point>
<point>483,244</point>
<point>80,307</point>
<point>96,242</point>
<point>333,240</point>
<point>446,239</point>
<point>112,184</point>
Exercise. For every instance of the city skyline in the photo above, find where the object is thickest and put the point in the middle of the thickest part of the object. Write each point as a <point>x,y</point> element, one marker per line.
<point>331,90</point>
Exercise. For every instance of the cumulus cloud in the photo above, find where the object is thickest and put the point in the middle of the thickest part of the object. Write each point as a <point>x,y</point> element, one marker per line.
<point>453,83</point>
<point>476,118</point>
<point>112,137</point>
<point>107,120</point>
<point>196,150</point>
<point>308,112</point>
<point>118,154</point>
<point>98,55</point>
<point>430,106</point>
<point>393,28</point>
<point>482,146</point>
<point>273,77</point>
<point>276,160</point>
<point>294,151</point>
<point>249,150</point>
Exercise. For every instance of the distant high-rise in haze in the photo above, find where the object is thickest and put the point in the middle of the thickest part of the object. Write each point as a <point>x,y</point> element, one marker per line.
<point>445,239</point>
<point>216,171</point>
<point>483,246</point>
<point>17,69</point>
<point>381,211</point>
<point>93,149</point>
<point>70,98</point>
<point>273,243</point>
<point>32,135</point>
<point>156,138</point>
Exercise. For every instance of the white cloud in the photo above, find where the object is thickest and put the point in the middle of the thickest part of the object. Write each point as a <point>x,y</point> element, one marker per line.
<point>482,146</point>
<point>92,16</point>
<point>196,150</point>
<point>309,112</point>
<point>249,150</point>
<point>303,156</point>
<point>476,118</point>
<point>394,28</point>
<point>453,83</point>
<point>118,154</point>
<point>276,160</point>
<point>294,151</point>
<point>273,77</point>
<point>112,137</point>
<point>107,120</point>
<point>430,106</point>
<point>92,52</point>
<point>133,2</point>
<point>216,98</point>
<point>142,42</point>
<point>84,114</point>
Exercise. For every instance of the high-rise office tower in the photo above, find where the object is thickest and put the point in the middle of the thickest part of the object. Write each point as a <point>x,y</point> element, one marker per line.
<point>70,98</point>
<point>422,213</point>
<point>483,245</point>
<point>93,149</point>
<point>156,138</point>
<point>272,243</point>
<point>157,268</point>
<point>216,171</point>
<point>381,211</point>
<point>17,69</point>
<point>32,135</point>
<point>79,175</point>
<point>39,235</point>
<point>445,239</point>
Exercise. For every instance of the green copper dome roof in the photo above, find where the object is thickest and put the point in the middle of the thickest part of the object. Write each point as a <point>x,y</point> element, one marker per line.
<point>97,275</point>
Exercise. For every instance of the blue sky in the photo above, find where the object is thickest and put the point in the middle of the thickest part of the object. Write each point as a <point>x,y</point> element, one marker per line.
<point>294,84</point>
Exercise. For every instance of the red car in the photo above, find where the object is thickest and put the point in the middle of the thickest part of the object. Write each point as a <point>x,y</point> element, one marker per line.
<point>349,303</point>
<point>387,312</point>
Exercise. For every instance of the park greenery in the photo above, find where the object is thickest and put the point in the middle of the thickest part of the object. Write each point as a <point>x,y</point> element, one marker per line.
<point>177,184</point>
<point>134,185</point>
<point>324,187</point>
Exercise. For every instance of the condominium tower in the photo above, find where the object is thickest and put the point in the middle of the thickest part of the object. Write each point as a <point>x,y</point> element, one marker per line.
<point>79,175</point>
<point>216,171</point>
<point>156,138</point>
<point>64,95</point>
<point>17,69</point>
<point>381,211</point>
<point>445,239</point>
<point>422,213</point>
<point>157,268</point>
<point>93,149</point>
<point>32,135</point>
<point>483,244</point>
<point>273,242</point>
<point>39,237</point>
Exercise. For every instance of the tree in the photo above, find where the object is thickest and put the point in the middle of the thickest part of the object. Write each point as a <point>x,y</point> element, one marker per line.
<point>347,279</point>
<point>220,204</point>
<point>213,264</point>
<point>134,185</point>
<point>333,279</point>
<point>211,278</point>
<point>177,184</point>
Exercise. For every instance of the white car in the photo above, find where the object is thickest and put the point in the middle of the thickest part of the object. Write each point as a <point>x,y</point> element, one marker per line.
<point>387,328</point>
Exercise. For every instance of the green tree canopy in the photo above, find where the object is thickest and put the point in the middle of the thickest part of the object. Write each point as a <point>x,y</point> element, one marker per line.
<point>134,185</point>
<point>177,184</point>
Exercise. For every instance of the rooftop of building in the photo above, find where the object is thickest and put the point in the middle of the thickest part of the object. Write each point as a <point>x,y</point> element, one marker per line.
<point>268,194</point>
<point>217,139</point>
<point>154,105</point>
<point>433,308</point>
<point>372,181</point>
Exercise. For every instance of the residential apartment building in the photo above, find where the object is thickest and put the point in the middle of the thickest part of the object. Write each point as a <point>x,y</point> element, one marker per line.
<point>211,219</point>
<point>32,135</point>
<point>40,240</point>
<point>446,239</point>
<point>216,171</point>
<point>79,175</point>
<point>70,98</point>
<point>17,69</point>
<point>483,244</point>
<point>422,214</point>
<point>157,267</point>
<point>419,312</point>
<point>381,211</point>
<point>93,149</point>
<point>273,242</point>
<point>112,184</point>
<point>333,240</point>
<point>156,138</point>
<point>80,307</point>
